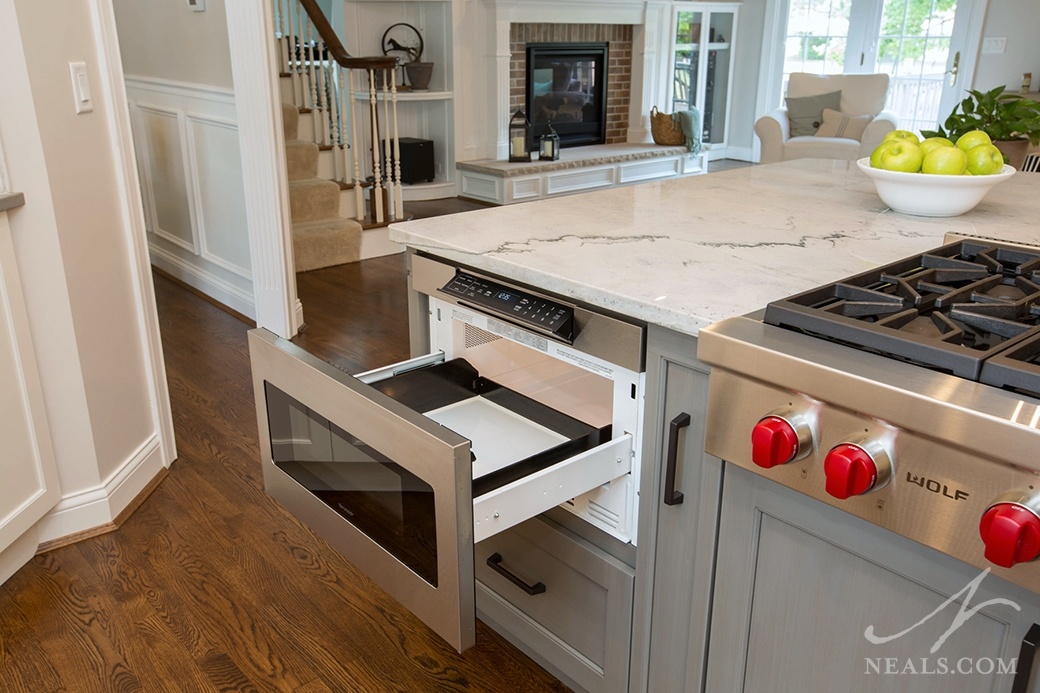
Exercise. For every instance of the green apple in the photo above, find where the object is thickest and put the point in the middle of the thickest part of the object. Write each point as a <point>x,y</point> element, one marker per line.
<point>973,139</point>
<point>902,135</point>
<point>875,156</point>
<point>945,161</point>
<point>898,155</point>
<point>933,142</point>
<point>985,160</point>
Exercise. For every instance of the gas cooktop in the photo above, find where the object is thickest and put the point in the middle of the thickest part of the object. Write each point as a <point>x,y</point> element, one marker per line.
<point>939,445</point>
<point>970,308</point>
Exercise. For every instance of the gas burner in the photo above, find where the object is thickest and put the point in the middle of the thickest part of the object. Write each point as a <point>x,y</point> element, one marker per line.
<point>949,309</point>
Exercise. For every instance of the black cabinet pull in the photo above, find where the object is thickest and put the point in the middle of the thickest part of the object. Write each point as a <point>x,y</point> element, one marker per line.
<point>1026,659</point>
<point>494,562</point>
<point>671,496</point>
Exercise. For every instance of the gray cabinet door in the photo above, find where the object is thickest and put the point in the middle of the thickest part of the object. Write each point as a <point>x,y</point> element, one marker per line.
<point>678,513</point>
<point>809,598</point>
<point>560,599</point>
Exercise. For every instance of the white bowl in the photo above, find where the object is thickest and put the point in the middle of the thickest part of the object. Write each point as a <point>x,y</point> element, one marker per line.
<point>927,195</point>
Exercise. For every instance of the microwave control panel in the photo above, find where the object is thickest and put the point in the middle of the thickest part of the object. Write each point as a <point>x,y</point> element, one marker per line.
<point>541,314</point>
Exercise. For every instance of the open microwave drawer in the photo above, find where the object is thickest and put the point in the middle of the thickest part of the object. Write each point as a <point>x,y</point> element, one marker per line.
<point>403,469</point>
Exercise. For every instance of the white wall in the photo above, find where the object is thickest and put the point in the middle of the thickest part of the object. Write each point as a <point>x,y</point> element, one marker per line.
<point>1019,22</point>
<point>178,69</point>
<point>167,40</point>
<point>91,312</point>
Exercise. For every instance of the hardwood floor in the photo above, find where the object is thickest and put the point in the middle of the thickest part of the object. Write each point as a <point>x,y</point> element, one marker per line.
<point>211,586</point>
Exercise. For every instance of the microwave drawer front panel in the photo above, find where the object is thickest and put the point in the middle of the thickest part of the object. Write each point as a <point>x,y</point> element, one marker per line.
<point>513,503</point>
<point>367,474</point>
<point>605,337</point>
<point>582,622</point>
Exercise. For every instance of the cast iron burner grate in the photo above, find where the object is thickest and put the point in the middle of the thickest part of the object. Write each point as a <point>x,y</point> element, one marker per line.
<point>949,309</point>
<point>1016,369</point>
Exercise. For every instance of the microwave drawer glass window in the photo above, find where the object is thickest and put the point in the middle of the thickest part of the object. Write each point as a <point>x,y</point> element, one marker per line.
<point>388,503</point>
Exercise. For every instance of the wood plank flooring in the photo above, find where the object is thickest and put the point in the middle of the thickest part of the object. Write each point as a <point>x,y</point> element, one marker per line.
<point>210,585</point>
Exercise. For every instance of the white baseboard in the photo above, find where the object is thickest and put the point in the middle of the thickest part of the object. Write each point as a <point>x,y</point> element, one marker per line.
<point>18,554</point>
<point>101,505</point>
<point>197,278</point>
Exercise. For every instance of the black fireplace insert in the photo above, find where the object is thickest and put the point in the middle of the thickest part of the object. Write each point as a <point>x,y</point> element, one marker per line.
<point>567,87</point>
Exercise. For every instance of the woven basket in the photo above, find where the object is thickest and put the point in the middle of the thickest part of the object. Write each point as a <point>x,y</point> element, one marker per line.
<point>665,129</point>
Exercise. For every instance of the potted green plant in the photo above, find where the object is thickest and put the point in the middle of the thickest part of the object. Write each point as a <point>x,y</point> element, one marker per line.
<point>1011,120</point>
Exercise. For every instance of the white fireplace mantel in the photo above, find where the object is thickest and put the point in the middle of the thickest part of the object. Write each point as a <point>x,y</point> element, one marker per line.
<point>650,21</point>
<point>571,11</point>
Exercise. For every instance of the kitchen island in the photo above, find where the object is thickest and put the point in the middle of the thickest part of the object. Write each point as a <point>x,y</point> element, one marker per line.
<point>685,253</point>
<point>681,255</point>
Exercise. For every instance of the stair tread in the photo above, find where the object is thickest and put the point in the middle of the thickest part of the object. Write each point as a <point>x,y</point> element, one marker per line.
<point>318,225</point>
<point>313,182</point>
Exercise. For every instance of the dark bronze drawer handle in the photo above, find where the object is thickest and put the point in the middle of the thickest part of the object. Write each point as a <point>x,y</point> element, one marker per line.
<point>494,562</point>
<point>1026,659</point>
<point>671,496</point>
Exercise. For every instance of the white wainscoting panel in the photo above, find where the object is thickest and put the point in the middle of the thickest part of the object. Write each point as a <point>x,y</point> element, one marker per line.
<point>190,165</point>
<point>170,208</point>
<point>219,198</point>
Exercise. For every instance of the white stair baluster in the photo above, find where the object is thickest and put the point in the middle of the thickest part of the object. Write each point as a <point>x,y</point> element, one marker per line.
<point>398,212</point>
<point>359,193</point>
<point>297,55</point>
<point>377,173</point>
<point>312,82</point>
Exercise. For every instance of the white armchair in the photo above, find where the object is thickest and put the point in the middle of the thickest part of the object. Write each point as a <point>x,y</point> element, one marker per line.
<point>862,103</point>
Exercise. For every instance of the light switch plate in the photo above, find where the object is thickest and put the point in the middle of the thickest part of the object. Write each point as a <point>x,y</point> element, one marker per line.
<point>197,5</point>
<point>81,87</point>
<point>994,44</point>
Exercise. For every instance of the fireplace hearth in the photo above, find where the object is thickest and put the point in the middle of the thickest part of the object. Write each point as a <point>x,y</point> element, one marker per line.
<point>566,86</point>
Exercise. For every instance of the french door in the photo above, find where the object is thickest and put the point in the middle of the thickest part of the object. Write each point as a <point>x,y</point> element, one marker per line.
<point>927,47</point>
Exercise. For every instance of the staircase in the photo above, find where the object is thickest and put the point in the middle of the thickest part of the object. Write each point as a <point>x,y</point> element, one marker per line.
<point>328,147</point>
<point>321,237</point>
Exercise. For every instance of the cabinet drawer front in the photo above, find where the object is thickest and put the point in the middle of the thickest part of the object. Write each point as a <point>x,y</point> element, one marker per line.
<point>587,597</point>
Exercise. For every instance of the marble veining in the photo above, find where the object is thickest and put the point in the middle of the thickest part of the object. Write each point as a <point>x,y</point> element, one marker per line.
<point>687,252</point>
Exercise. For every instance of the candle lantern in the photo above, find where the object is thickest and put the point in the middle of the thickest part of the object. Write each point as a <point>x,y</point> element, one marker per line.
<point>549,145</point>
<point>519,136</point>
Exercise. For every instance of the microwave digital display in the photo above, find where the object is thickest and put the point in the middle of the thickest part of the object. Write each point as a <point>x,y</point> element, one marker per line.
<point>529,310</point>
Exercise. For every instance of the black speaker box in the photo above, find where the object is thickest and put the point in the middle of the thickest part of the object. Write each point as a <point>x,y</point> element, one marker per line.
<point>416,160</point>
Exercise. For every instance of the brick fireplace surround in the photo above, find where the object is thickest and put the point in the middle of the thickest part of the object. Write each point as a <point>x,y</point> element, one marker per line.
<point>619,71</point>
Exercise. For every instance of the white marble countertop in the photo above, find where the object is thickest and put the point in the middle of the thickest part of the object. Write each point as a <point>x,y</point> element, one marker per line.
<point>687,252</point>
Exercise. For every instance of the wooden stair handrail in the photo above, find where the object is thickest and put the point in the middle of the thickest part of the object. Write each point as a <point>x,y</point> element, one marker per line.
<point>335,47</point>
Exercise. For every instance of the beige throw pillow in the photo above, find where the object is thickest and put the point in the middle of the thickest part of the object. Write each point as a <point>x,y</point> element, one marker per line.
<point>837,124</point>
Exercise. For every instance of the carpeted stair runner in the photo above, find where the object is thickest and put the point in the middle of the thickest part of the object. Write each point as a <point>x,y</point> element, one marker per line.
<point>321,237</point>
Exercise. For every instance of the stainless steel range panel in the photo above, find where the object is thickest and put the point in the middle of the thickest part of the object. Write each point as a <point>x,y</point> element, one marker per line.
<point>908,396</point>
<point>525,402</point>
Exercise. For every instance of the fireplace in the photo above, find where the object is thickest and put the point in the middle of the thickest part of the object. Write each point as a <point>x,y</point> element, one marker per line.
<point>566,85</point>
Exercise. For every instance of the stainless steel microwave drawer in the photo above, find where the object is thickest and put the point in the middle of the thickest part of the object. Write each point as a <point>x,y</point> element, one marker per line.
<point>406,468</point>
<point>560,598</point>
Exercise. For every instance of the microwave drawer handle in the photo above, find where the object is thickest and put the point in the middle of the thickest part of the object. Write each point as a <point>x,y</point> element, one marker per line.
<point>671,496</point>
<point>494,562</point>
<point>1026,659</point>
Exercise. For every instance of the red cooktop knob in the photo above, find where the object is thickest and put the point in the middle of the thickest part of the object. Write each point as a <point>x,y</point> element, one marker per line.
<point>850,471</point>
<point>773,442</point>
<point>1011,534</point>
